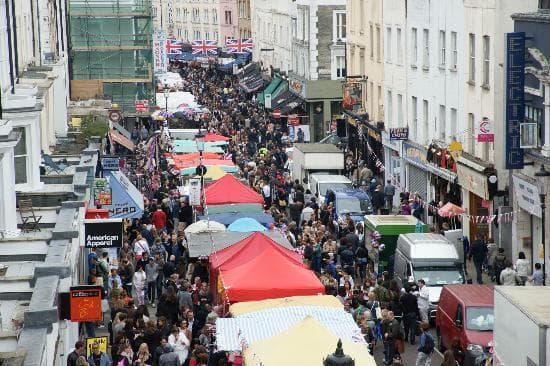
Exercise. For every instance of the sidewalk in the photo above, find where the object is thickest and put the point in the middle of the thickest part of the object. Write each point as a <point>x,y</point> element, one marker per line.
<point>471,269</point>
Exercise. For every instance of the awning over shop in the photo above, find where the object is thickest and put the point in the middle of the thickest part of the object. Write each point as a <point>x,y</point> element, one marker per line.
<point>121,140</point>
<point>286,101</point>
<point>270,89</point>
<point>251,78</point>
<point>127,200</point>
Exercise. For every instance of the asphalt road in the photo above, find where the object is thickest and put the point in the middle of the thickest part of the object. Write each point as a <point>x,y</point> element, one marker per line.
<point>409,357</point>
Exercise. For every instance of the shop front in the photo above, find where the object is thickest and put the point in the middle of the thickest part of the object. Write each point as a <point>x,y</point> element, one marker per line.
<point>392,158</point>
<point>443,179</point>
<point>322,103</point>
<point>416,169</point>
<point>528,220</point>
<point>473,177</point>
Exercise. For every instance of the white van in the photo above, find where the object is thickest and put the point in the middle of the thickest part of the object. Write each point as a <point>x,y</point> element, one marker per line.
<point>430,257</point>
<point>319,183</point>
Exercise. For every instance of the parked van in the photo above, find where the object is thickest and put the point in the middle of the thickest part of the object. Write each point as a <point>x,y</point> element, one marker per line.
<point>349,201</point>
<point>465,317</point>
<point>430,257</point>
<point>320,183</point>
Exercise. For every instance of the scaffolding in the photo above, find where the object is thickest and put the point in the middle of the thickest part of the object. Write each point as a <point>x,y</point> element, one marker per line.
<point>111,51</point>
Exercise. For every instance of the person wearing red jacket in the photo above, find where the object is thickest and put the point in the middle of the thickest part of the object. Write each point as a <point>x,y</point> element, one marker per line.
<point>159,219</point>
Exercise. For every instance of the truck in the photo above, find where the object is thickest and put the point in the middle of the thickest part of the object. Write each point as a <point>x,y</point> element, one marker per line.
<point>352,201</point>
<point>320,183</point>
<point>521,334</point>
<point>311,158</point>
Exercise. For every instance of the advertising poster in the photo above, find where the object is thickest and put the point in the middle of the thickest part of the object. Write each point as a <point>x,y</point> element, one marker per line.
<point>102,191</point>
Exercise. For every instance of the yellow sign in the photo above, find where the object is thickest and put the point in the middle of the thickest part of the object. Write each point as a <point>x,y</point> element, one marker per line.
<point>102,341</point>
<point>456,149</point>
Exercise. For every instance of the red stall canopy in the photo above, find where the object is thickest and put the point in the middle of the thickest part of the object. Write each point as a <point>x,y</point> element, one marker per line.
<point>269,275</point>
<point>229,189</point>
<point>213,137</point>
<point>450,210</point>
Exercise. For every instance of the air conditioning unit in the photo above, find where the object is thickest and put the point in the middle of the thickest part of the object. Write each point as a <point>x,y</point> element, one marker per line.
<point>528,135</point>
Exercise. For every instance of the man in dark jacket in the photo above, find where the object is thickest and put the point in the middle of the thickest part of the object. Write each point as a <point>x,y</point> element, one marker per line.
<point>74,355</point>
<point>478,252</point>
<point>377,200</point>
<point>409,303</point>
<point>169,357</point>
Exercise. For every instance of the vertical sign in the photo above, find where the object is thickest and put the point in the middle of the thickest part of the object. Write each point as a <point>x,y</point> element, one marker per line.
<point>170,11</point>
<point>85,303</point>
<point>159,53</point>
<point>515,100</point>
<point>267,101</point>
<point>194,191</point>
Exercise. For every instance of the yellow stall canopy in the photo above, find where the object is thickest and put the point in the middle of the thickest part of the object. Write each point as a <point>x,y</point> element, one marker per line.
<point>213,172</point>
<point>241,308</point>
<point>305,344</point>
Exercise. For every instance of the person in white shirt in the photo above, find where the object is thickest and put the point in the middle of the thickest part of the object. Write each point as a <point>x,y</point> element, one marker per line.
<point>423,300</point>
<point>140,246</point>
<point>266,193</point>
<point>523,267</point>
<point>140,281</point>
<point>180,343</point>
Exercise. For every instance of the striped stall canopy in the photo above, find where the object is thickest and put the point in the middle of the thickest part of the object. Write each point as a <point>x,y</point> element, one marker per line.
<point>234,333</point>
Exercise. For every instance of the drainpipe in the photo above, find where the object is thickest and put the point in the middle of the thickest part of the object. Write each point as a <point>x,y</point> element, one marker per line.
<point>542,344</point>
<point>10,52</point>
<point>16,54</point>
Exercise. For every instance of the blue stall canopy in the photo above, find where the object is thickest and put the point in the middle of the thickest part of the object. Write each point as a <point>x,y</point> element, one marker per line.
<point>127,200</point>
<point>246,225</point>
<point>227,218</point>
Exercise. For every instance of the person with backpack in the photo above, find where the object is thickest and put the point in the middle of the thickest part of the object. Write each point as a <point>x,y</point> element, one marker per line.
<point>426,346</point>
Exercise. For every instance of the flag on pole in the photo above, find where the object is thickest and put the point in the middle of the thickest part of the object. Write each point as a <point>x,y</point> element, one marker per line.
<point>243,45</point>
<point>204,46</point>
<point>173,47</point>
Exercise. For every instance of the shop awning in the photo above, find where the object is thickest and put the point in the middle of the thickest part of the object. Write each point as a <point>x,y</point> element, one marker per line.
<point>121,140</point>
<point>286,101</point>
<point>269,89</point>
<point>251,78</point>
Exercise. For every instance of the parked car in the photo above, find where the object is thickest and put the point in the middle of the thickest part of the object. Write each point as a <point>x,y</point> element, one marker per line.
<point>349,200</point>
<point>466,318</point>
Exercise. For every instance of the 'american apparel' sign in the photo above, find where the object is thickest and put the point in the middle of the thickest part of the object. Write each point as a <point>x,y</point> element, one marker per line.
<point>103,233</point>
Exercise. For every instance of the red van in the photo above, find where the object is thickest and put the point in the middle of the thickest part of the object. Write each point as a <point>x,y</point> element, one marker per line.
<point>465,319</point>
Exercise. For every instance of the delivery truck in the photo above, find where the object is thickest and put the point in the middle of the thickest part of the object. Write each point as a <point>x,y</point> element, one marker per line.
<point>521,330</point>
<point>311,158</point>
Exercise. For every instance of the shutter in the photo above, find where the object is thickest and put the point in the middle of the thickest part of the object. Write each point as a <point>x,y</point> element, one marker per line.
<point>417,181</point>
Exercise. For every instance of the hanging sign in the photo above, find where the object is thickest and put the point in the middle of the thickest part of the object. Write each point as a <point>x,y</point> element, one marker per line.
<point>515,98</point>
<point>267,100</point>
<point>486,131</point>
<point>159,52</point>
<point>142,106</point>
<point>102,192</point>
<point>85,303</point>
<point>103,234</point>
<point>400,133</point>
<point>101,341</point>
<point>110,163</point>
<point>194,191</point>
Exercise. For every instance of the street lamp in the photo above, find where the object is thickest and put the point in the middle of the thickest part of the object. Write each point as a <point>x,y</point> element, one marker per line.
<point>542,174</point>
<point>201,169</point>
<point>338,358</point>
<point>166,92</point>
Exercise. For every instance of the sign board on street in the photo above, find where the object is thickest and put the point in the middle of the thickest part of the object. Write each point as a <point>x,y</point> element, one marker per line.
<point>103,233</point>
<point>101,341</point>
<point>85,303</point>
<point>486,130</point>
<point>115,115</point>
<point>194,191</point>
<point>267,101</point>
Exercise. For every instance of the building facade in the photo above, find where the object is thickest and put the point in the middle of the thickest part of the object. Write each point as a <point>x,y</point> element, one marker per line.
<point>245,29</point>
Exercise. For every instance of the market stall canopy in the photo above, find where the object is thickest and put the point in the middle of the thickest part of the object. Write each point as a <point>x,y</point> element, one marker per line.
<point>229,190</point>
<point>224,165</point>
<point>246,225</point>
<point>268,275</point>
<point>213,173</point>
<point>213,137</point>
<point>450,210</point>
<point>229,217</point>
<point>127,200</point>
<point>231,333</point>
<point>122,140</point>
<point>327,301</point>
<point>194,156</point>
<point>203,244</point>
<point>176,100</point>
<point>204,226</point>
<point>189,146</point>
<point>307,344</point>
<point>236,208</point>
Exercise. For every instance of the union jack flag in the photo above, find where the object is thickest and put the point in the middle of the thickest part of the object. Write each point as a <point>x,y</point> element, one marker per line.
<point>173,47</point>
<point>235,46</point>
<point>203,46</point>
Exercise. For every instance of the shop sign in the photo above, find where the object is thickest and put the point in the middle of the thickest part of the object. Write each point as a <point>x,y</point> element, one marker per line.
<point>101,341</point>
<point>486,131</point>
<point>110,163</point>
<point>159,53</point>
<point>515,99</point>
<point>472,181</point>
<point>400,133</point>
<point>296,86</point>
<point>352,99</point>
<point>415,155</point>
<point>85,303</point>
<point>527,195</point>
<point>103,234</point>
<point>103,195</point>
<point>142,106</point>
<point>194,191</point>
<point>392,144</point>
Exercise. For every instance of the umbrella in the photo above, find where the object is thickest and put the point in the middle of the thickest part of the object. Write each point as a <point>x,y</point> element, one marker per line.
<point>450,210</point>
<point>204,226</point>
<point>246,225</point>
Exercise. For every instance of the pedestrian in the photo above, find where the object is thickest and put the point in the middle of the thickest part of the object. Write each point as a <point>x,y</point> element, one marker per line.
<point>377,199</point>
<point>538,276</point>
<point>76,353</point>
<point>423,296</point>
<point>389,193</point>
<point>449,359</point>
<point>140,283</point>
<point>409,304</point>
<point>151,273</point>
<point>500,264</point>
<point>508,276</point>
<point>522,268</point>
<point>478,252</point>
<point>426,346</point>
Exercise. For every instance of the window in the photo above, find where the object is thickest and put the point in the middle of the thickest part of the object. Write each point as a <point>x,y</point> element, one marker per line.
<point>361,61</point>
<point>454,122</point>
<point>371,41</point>
<point>414,46</point>
<point>179,33</point>
<point>206,35</point>
<point>442,122</point>
<point>388,44</point>
<point>399,47</point>
<point>370,97</point>
<point>214,16</point>
<point>339,26</point>
<point>454,54</point>
<point>426,116</point>
<point>414,118</point>
<point>399,110</point>
<point>472,67</point>
<point>196,16</point>
<point>378,43</point>
<point>470,133</point>
<point>361,15</point>
<point>426,57</point>
<point>228,19</point>
<point>20,156</point>
<point>389,107</point>
<point>486,60</point>
<point>528,135</point>
<point>186,34</point>
<point>340,66</point>
<point>185,14</point>
<point>205,16</point>
<point>216,36</point>
<point>196,34</point>
<point>442,48</point>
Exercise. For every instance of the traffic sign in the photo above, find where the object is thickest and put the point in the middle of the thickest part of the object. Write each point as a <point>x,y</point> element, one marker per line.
<point>115,115</point>
<point>277,113</point>
<point>142,106</point>
<point>294,120</point>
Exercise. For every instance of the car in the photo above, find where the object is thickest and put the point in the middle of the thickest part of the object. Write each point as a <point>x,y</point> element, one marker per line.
<point>351,201</point>
<point>465,319</point>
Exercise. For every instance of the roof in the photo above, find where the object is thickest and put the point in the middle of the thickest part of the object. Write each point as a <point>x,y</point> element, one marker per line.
<point>531,300</point>
<point>330,178</point>
<point>244,308</point>
<point>259,325</point>
<point>473,295</point>
<point>229,217</point>
<point>429,246</point>
<point>350,192</point>
<point>541,16</point>
<point>318,148</point>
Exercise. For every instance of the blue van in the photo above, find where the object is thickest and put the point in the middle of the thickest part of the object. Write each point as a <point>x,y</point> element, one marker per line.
<point>349,200</point>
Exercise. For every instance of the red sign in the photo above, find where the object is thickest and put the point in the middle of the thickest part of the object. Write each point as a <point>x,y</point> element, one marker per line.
<point>277,113</point>
<point>142,106</point>
<point>85,304</point>
<point>294,120</point>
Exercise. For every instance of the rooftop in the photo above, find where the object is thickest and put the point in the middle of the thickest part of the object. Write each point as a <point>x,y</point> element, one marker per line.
<point>541,16</point>
<point>318,148</point>
<point>531,300</point>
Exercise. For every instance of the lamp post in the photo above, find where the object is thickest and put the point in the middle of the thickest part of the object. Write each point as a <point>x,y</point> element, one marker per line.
<point>541,175</point>
<point>338,358</point>
<point>166,92</point>
<point>201,169</point>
